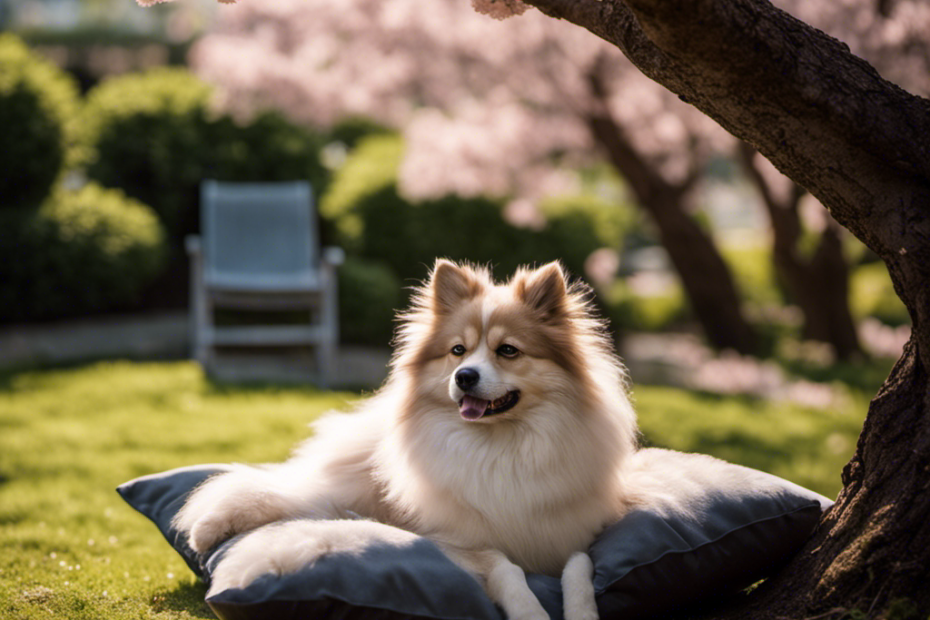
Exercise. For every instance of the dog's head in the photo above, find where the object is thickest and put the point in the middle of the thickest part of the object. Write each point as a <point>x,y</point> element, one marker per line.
<point>498,351</point>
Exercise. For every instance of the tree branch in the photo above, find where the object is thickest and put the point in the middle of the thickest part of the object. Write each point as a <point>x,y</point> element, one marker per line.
<point>824,117</point>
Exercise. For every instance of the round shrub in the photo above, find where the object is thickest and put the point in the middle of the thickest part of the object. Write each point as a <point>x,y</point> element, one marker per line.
<point>371,168</point>
<point>153,135</point>
<point>87,250</point>
<point>38,104</point>
<point>374,221</point>
<point>144,136</point>
<point>409,236</point>
<point>369,296</point>
<point>873,294</point>
<point>629,311</point>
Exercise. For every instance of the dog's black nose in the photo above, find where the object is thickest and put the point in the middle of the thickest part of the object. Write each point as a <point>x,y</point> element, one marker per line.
<point>466,378</point>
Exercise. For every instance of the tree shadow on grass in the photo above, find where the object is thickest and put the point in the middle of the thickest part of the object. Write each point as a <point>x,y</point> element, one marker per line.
<point>186,597</point>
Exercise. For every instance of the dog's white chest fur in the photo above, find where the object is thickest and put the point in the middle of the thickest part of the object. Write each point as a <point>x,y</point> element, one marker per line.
<point>504,488</point>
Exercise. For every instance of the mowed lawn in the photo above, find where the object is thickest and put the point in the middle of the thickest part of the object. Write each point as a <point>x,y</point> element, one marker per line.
<point>70,548</point>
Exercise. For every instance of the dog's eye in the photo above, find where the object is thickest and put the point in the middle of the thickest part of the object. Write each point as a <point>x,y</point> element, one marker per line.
<point>508,350</point>
<point>458,350</point>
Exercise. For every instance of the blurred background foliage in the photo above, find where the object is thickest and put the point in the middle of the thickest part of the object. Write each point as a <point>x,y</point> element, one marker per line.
<point>106,188</point>
<point>38,111</point>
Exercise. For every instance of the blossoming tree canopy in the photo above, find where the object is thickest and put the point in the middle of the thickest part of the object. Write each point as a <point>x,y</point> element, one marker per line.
<point>498,116</point>
<point>510,118</point>
<point>151,2</point>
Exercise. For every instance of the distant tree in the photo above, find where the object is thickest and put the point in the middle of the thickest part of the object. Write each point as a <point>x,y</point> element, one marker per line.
<point>479,118</point>
<point>498,118</point>
<point>893,36</point>
<point>817,280</point>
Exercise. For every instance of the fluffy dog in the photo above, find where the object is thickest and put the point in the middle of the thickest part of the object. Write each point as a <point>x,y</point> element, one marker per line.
<point>503,433</point>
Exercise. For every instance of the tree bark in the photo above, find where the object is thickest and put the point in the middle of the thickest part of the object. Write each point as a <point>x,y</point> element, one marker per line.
<point>861,145</point>
<point>819,285</point>
<point>704,275</point>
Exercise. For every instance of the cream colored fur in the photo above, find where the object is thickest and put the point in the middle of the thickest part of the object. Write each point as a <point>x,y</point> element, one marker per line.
<point>524,490</point>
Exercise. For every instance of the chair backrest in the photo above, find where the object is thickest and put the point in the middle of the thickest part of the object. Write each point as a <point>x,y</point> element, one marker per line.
<point>259,235</point>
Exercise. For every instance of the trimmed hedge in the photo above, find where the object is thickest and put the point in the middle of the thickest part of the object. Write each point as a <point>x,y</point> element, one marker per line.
<point>375,222</point>
<point>154,136</point>
<point>369,296</point>
<point>144,136</point>
<point>83,251</point>
<point>379,227</point>
<point>38,106</point>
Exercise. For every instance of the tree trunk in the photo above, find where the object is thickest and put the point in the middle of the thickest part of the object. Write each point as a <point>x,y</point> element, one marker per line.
<point>819,285</point>
<point>861,145</point>
<point>824,295</point>
<point>704,274</point>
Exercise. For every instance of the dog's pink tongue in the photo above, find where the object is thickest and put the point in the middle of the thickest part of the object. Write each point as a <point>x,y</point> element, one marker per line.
<point>473,408</point>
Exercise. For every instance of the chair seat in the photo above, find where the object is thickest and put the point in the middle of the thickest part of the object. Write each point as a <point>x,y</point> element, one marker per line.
<point>304,282</point>
<point>265,335</point>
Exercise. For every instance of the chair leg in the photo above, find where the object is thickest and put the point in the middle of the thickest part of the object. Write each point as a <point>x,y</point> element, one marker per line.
<point>201,325</point>
<point>206,344</point>
<point>327,358</point>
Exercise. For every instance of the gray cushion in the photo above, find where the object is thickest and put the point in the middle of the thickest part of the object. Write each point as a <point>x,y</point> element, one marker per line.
<point>646,565</point>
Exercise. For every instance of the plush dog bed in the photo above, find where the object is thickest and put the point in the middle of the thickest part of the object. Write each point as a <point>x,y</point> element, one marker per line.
<point>645,565</point>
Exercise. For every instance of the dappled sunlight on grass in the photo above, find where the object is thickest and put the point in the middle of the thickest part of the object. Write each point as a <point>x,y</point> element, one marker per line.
<point>805,445</point>
<point>70,548</point>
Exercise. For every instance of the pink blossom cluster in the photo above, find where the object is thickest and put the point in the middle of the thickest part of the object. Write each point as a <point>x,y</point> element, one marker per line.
<point>151,2</point>
<point>892,35</point>
<point>685,361</point>
<point>497,107</point>
<point>883,340</point>
<point>486,106</point>
<point>500,9</point>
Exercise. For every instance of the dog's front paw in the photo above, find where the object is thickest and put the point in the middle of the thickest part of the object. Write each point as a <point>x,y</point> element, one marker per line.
<point>290,546</point>
<point>210,530</point>
<point>578,589</point>
<point>232,503</point>
<point>254,555</point>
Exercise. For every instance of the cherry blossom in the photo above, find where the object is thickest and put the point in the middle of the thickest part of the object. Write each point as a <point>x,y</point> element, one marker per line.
<point>486,106</point>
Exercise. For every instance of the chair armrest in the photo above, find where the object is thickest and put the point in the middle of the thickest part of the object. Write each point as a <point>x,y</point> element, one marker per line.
<point>333,255</point>
<point>192,245</point>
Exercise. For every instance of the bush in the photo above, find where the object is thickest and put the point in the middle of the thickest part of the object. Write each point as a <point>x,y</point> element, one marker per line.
<point>371,168</point>
<point>409,237</point>
<point>153,135</point>
<point>38,104</point>
<point>369,296</point>
<point>380,227</point>
<point>353,129</point>
<point>627,310</point>
<point>86,250</point>
<point>578,225</point>
<point>375,222</point>
<point>872,294</point>
<point>754,273</point>
<point>144,133</point>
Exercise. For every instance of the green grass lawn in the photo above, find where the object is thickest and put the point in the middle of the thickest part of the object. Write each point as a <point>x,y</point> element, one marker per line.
<point>70,548</point>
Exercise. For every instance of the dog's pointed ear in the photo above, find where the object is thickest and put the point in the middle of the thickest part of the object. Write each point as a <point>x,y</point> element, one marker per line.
<point>450,285</point>
<point>545,290</point>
